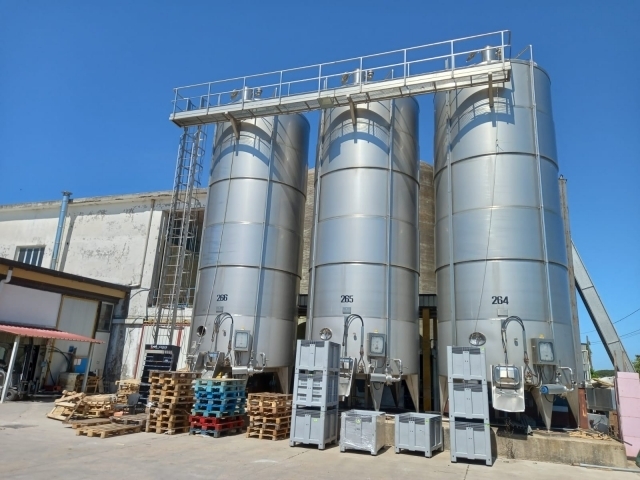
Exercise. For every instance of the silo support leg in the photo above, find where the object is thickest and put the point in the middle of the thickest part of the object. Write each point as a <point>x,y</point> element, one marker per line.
<point>283,378</point>
<point>545,406</point>
<point>444,392</point>
<point>413,384</point>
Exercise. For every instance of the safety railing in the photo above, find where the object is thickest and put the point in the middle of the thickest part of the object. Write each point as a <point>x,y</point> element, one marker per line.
<point>450,55</point>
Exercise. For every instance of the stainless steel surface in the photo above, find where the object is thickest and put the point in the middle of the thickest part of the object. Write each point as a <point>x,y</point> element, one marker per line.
<point>498,218</point>
<point>383,76</point>
<point>364,254</point>
<point>252,244</point>
<point>601,320</point>
<point>63,215</point>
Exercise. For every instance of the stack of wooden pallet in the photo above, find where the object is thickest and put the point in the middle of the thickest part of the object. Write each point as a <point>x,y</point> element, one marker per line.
<point>65,406</point>
<point>219,406</point>
<point>96,406</point>
<point>109,427</point>
<point>170,401</point>
<point>126,388</point>
<point>269,415</point>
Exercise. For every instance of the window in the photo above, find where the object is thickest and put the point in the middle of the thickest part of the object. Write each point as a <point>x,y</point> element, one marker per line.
<point>104,317</point>
<point>31,255</point>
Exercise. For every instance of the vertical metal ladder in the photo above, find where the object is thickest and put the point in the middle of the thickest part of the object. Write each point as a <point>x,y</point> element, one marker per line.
<point>179,246</point>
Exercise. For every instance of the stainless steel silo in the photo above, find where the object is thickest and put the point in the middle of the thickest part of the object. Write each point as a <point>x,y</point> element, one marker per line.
<point>251,250</point>
<point>500,246</point>
<point>365,248</point>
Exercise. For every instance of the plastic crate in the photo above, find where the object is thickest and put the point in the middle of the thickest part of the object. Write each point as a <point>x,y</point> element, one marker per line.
<point>362,430</point>
<point>315,427</point>
<point>419,432</point>
<point>470,440</point>
<point>466,363</point>
<point>318,355</point>
<point>316,389</point>
<point>469,399</point>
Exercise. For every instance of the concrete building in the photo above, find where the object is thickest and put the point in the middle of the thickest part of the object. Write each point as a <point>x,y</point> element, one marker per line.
<point>118,239</point>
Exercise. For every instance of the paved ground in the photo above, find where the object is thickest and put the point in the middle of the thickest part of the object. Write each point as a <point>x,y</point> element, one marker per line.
<point>34,447</point>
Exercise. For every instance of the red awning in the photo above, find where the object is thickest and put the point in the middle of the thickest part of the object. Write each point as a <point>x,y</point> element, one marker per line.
<point>44,333</point>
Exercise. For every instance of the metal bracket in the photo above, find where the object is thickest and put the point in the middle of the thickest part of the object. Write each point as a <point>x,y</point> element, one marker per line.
<point>235,124</point>
<point>354,115</point>
<point>491,91</point>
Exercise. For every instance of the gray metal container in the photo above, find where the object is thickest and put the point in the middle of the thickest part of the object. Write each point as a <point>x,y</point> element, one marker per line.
<point>317,355</point>
<point>316,389</point>
<point>365,259</point>
<point>362,430</point>
<point>500,245</point>
<point>470,440</point>
<point>252,244</point>
<point>314,427</point>
<point>418,432</point>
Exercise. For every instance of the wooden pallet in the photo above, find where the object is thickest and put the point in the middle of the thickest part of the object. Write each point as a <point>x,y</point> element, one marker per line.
<point>137,419</point>
<point>171,399</point>
<point>88,422</point>
<point>268,433</point>
<point>272,423</point>
<point>269,403</point>
<point>171,388</point>
<point>175,376</point>
<point>109,430</point>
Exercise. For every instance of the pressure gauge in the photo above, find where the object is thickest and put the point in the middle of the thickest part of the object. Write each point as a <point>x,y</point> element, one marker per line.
<point>326,334</point>
<point>377,344</point>
<point>545,351</point>
<point>241,341</point>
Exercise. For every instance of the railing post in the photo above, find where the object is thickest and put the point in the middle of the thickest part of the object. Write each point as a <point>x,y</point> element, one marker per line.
<point>360,73</point>
<point>502,53</point>
<point>319,78</point>
<point>244,85</point>
<point>175,100</point>
<point>453,59</point>
<point>404,66</point>
<point>280,86</point>
<point>208,96</point>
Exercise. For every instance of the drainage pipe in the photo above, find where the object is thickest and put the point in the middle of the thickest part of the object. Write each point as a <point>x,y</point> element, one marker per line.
<point>63,214</point>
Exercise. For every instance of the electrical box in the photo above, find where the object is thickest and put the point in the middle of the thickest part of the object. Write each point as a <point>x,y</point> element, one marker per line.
<point>543,352</point>
<point>377,343</point>
<point>241,341</point>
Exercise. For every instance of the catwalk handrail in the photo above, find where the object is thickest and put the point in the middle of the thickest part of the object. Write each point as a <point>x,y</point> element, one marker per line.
<point>357,70</point>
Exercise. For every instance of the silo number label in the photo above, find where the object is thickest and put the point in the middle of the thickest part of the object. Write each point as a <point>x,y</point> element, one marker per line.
<point>222,298</point>
<point>500,300</point>
<point>346,299</point>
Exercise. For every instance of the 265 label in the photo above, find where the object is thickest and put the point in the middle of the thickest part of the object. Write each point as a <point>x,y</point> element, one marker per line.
<point>346,299</point>
<point>222,298</point>
<point>500,300</point>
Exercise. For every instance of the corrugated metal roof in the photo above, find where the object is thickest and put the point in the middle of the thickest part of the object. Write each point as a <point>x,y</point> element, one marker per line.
<point>45,333</point>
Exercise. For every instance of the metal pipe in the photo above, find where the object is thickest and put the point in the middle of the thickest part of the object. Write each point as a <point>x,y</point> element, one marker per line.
<point>6,280</point>
<point>12,361</point>
<point>63,214</point>
<point>615,469</point>
<point>86,372</point>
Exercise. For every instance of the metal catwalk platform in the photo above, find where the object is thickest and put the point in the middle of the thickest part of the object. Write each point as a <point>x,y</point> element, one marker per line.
<point>408,72</point>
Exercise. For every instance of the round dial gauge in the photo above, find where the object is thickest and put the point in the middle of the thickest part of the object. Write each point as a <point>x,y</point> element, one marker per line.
<point>377,345</point>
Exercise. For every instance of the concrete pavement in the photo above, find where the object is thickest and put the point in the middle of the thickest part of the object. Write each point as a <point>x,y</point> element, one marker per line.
<point>35,447</point>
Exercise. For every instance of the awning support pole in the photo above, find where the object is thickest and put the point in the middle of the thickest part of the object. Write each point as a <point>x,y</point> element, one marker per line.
<point>7,378</point>
<point>86,372</point>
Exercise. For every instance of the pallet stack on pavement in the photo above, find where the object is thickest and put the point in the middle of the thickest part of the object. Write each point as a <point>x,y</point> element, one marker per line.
<point>170,401</point>
<point>219,406</point>
<point>269,415</point>
<point>315,416</point>
<point>469,429</point>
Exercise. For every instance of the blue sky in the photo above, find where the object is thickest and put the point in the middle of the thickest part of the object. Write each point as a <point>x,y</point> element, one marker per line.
<point>86,91</point>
